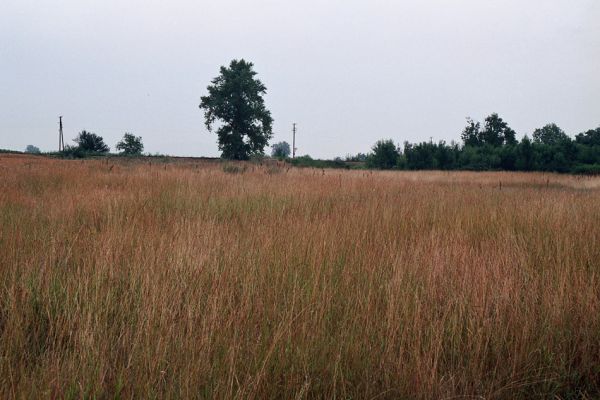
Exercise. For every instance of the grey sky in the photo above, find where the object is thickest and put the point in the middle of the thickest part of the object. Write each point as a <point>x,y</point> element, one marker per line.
<point>349,72</point>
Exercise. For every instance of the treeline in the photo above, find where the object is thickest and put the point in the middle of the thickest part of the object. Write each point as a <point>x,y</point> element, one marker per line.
<point>88,143</point>
<point>91,144</point>
<point>493,146</point>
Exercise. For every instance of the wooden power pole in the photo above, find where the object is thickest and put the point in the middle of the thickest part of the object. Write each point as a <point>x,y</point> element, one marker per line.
<point>61,139</point>
<point>294,140</point>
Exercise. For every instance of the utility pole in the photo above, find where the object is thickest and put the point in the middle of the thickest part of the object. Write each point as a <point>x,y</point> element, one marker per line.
<point>61,140</point>
<point>294,140</point>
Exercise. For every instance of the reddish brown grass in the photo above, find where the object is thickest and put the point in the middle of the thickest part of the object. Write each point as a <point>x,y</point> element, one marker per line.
<point>179,280</point>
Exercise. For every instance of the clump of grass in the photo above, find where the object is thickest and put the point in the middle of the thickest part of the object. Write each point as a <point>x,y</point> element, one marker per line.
<point>186,281</point>
<point>234,168</point>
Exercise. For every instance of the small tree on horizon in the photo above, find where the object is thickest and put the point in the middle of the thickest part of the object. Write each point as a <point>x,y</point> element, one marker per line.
<point>130,145</point>
<point>31,149</point>
<point>281,150</point>
<point>235,98</point>
<point>90,143</point>
<point>495,133</point>
<point>385,155</point>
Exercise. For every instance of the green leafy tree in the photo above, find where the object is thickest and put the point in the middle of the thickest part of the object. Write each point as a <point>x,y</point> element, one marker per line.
<point>281,150</point>
<point>508,158</point>
<point>130,145</point>
<point>384,156</point>
<point>471,135</point>
<point>525,155</point>
<point>420,155</point>
<point>496,132</point>
<point>510,137</point>
<point>235,98</point>
<point>590,138</point>
<point>89,142</point>
<point>550,134</point>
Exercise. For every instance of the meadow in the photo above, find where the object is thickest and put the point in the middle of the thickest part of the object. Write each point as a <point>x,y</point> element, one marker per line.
<point>195,279</point>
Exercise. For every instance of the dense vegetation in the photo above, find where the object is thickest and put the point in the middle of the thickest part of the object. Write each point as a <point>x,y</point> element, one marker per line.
<point>495,147</point>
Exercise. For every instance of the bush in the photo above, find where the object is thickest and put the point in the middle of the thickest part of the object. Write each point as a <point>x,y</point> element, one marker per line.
<point>587,169</point>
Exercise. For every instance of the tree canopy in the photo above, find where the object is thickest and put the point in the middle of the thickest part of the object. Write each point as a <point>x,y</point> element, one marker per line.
<point>550,134</point>
<point>281,150</point>
<point>90,143</point>
<point>384,156</point>
<point>590,137</point>
<point>235,99</point>
<point>130,145</point>
<point>471,135</point>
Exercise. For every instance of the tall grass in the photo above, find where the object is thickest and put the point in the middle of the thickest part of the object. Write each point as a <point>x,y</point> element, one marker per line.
<point>180,280</point>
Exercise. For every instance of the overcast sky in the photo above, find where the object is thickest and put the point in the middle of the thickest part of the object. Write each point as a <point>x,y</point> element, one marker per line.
<point>349,72</point>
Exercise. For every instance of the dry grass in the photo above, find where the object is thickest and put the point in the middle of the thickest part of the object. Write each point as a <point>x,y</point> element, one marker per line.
<point>181,280</point>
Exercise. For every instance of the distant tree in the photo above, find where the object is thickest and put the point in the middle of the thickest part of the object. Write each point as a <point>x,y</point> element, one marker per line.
<point>590,138</point>
<point>496,132</point>
<point>510,137</point>
<point>384,155</point>
<point>508,158</point>
<point>443,156</point>
<point>90,143</point>
<point>130,145</point>
<point>420,155</point>
<point>471,135</point>
<point>550,134</point>
<point>281,150</point>
<point>235,98</point>
<point>32,149</point>
<point>525,155</point>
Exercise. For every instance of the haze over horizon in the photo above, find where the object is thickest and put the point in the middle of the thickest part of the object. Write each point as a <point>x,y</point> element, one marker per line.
<point>348,72</point>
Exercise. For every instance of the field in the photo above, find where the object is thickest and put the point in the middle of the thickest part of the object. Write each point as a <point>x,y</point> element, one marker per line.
<point>191,279</point>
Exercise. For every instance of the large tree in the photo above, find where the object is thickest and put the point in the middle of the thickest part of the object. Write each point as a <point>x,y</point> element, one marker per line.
<point>235,98</point>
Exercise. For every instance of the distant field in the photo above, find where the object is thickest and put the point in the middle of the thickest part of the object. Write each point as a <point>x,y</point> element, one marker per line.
<point>201,279</point>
